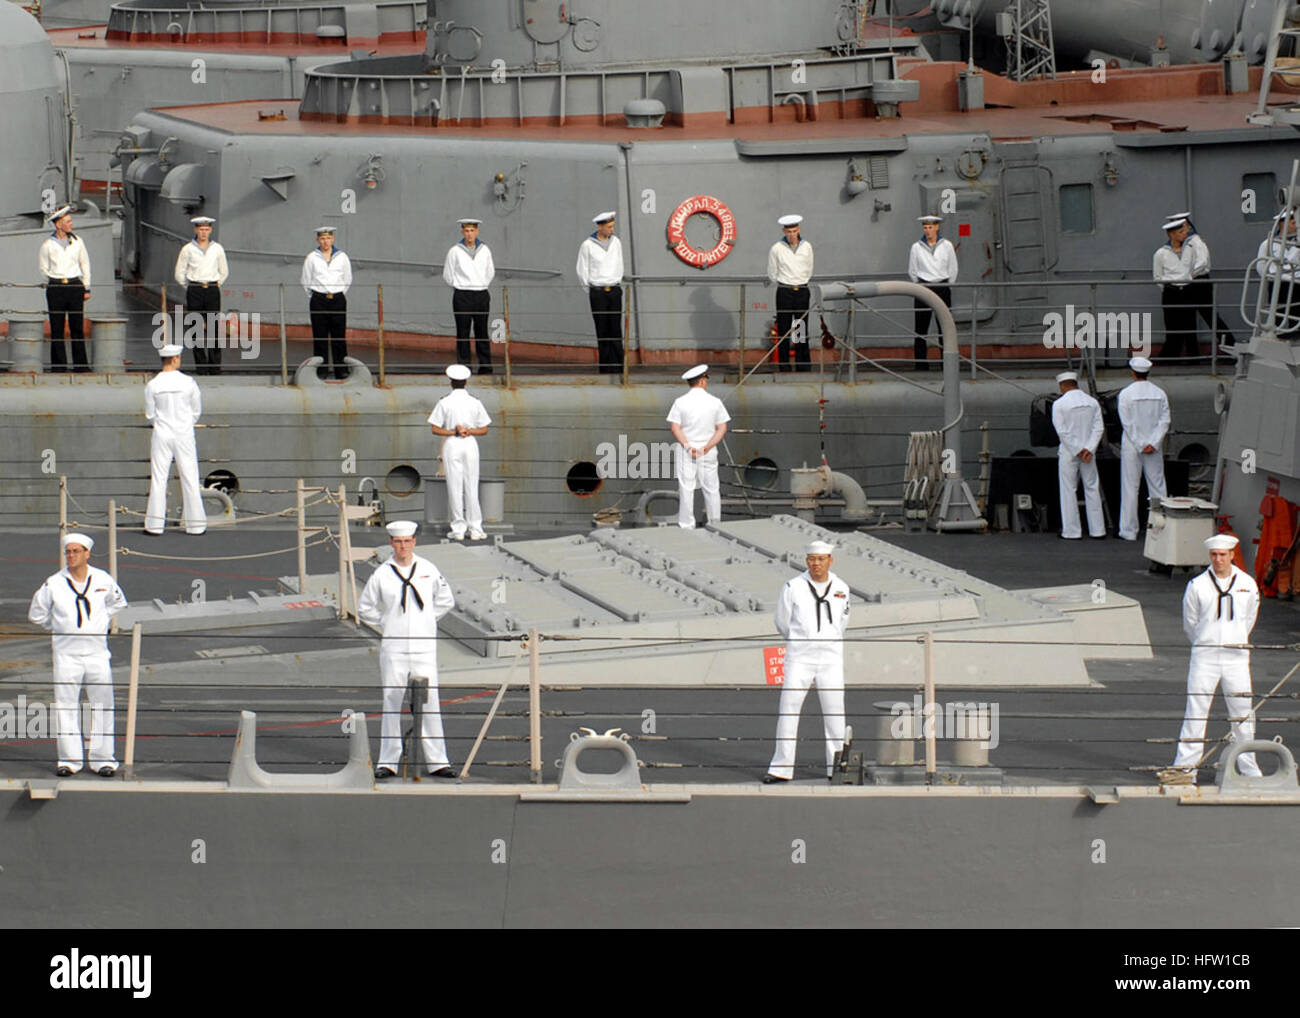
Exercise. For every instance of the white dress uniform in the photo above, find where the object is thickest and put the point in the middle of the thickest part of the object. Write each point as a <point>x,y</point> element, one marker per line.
<point>195,265</point>
<point>1144,412</point>
<point>600,264</point>
<point>812,618</point>
<point>931,265</point>
<point>172,403</point>
<point>78,615</point>
<point>1216,614</point>
<point>406,603</point>
<point>699,413</point>
<point>1077,419</point>
<point>460,459</point>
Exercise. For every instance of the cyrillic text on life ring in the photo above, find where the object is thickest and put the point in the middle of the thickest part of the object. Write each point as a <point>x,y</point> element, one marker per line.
<point>677,231</point>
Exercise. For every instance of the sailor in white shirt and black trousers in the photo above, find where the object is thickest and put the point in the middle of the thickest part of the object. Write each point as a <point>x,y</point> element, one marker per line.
<point>469,272</point>
<point>600,272</point>
<point>66,267</point>
<point>789,269</point>
<point>932,262</point>
<point>201,268</point>
<point>1172,267</point>
<point>327,276</point>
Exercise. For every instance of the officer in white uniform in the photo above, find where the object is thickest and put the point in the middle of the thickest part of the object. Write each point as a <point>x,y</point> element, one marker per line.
<point>1144,412</point>
<point>811,613</point>
<point>469,271</point>
<point>932,262</point>
<point>699,422</point>
<point>459,417</point>
<point>789,269</point>
<point>1077,419</point>
<point>76,604</point>
<point>405,598</point>
<point>600,272</point>
<point>173,405</point>
<point>1219,611</point>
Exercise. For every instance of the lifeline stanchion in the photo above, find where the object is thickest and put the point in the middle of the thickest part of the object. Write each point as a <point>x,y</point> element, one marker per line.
<point>380,309</point>
<point>112,552</point>
<point>128,768</point>
<point>505,310</point>
<point>63,511</point>
<point>343,553</point>
<point>419,687</point>
<point>931,757</point>
<point>534,708</point>
<point>284,343</point>
<point>302,537</point>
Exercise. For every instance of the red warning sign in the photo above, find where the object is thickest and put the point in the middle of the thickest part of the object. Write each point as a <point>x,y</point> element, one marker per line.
<point>774,665</point>
<point>963,229</point>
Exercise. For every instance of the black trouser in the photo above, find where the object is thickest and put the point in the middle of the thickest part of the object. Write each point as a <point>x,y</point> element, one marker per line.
<point>921,313</point>
<point>1180,323</point>
<point>1200,294</point>
<point>606,312</point>
<point>792,307</point>
<point>329,328</point>
<point>66,300</point>
<point>204,299</point>
<point>471,310</point>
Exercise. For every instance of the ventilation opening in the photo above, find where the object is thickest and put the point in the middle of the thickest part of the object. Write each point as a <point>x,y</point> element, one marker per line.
<point>223,480</point>
<point>761,472</point>
<point>582,479</point>
<point>402,481</point>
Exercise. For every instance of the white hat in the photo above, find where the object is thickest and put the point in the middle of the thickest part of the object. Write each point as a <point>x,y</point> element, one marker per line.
<point>401,528</point>
<point>171,350</point>
<point>202,221</point>
<point>324,229</point>
<point>791,220</point>
<point>59,213</point>
<point>819,548</point>
<point>458,373</point>
<point>1284,214</point>
<point>1067,376</point>
<point>1221,542</point>
<point>929,219</point>
<point>1174,222</point>
<point>604,217</point>
<point>469,222</point>
<point>1139,364</point>
<point>695,372</point>
<point>80,539</point>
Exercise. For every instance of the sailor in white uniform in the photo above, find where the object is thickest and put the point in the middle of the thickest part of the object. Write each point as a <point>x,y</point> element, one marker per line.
<point>327,277</point>
<point>202,269</point>
<point>469,272</point>
<point>1220,607</point>
<point>600,273</point>
<point>932,262</point>
<point>1278,266</point>
<point>1144,412</point>
<point>66,267</point>
<point>76,604</point>
<point>1173,267</point>
<point>1077,419</point>
<point>173,405</point>
<point>459,417</point>
<point>811,613</point>
<point>405,598</point>
<point>698,421</point>
<point>790,268</point>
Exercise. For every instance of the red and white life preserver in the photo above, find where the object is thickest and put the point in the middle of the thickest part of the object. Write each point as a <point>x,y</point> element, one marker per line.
<point>677,231</point>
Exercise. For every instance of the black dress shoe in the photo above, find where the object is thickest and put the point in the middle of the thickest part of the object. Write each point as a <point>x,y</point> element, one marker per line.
<point>384,773</point>
<point>106,771</point>
<point>772,779</point>
<point>64,772</point>
<point>443,772</point>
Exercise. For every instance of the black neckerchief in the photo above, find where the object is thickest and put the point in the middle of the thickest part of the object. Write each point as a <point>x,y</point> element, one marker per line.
<point>818,601</point>
<point>81,597</point>
<point>408,585</point>
<point>1224,592</point>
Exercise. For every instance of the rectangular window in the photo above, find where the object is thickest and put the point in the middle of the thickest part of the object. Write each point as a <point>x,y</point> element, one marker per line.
<point>1076,208</point>
<point>1258,197</point>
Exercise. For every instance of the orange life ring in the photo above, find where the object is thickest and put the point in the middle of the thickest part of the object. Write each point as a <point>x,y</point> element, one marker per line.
<point>677,231</point>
